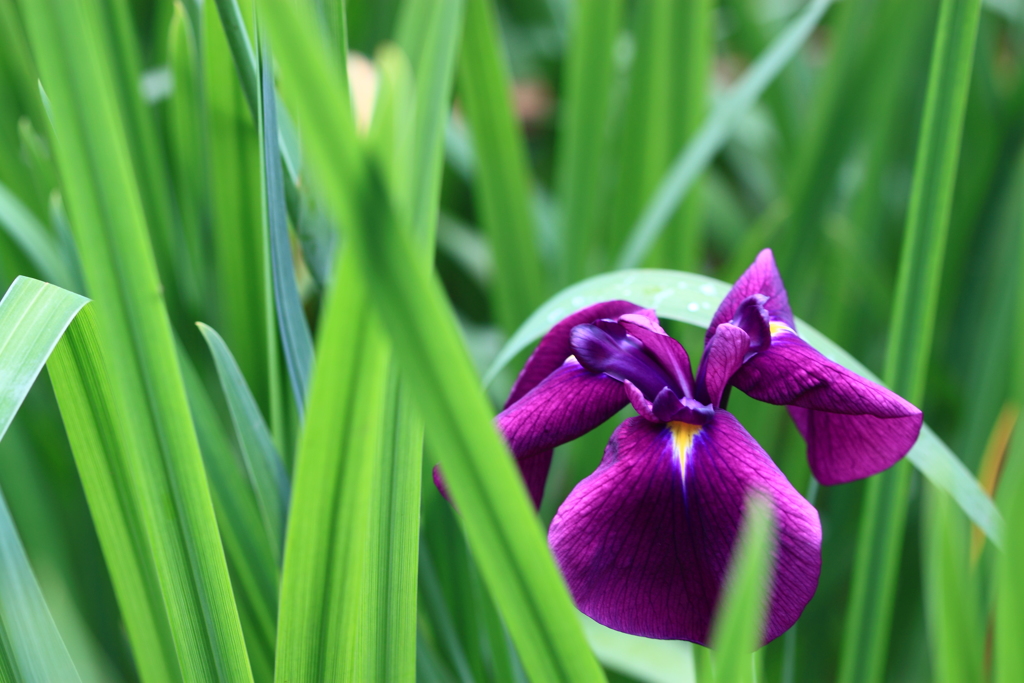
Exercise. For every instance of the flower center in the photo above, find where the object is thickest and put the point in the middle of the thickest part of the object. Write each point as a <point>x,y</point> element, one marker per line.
<point>683,434</point>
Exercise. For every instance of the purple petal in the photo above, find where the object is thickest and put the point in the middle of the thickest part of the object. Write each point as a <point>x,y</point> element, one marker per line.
<point>843,448</point>
<point>604,347</point>
<point>644,542</point>
<point>554,347</point>
<point>567,404</point>
<point>762,277</point>
<point>722,357</point>
<point>864,428</point>
<point>667,350</point>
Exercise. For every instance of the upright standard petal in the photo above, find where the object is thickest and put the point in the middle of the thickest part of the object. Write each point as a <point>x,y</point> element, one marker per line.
<point>762,277</point>
<point>554,348</point>
<point>854,427</point>
<point>645,541</point>
<point>722,357</point>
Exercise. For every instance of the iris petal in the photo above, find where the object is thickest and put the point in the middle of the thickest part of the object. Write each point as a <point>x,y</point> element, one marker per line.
<point>567,404</point>
<point>722,357</point>
<point>644,542</point>
<point>762,277</point>
<point>854,427</point>
<point>604,347</point>
<point>554,347</point>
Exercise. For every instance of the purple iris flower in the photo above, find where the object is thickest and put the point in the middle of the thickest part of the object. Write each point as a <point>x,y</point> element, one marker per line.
<point>644,542</point>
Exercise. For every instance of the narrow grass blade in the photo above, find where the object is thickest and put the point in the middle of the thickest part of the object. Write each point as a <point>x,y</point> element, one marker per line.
<point>951,593</point>
<point>262,461</point>
<point>296,339</point>
<point>869,614</point>
<point>740,614</point>
<point>583,123</point>
<point>316,234</point>
<point>252,560</point>
<point>1008,633</point>
<point>387,647</point>
<point>692,299</point>
<point>188,161</point>
<point>429,32</point>
<point>96,424</point>
<point>31,236</point>
<point>324,577</point>
<point>497,517</point>
<point>502,184</point>
<point>1009,603</point>
<point>71,45</point>
<point>243,292</point>
<point>716,130</point>
<point>139,130</point>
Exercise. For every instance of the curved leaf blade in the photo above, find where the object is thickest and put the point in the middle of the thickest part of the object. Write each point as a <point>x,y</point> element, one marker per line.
<point>33,317</point>
<point>692,298</point>
<point>262,461</point>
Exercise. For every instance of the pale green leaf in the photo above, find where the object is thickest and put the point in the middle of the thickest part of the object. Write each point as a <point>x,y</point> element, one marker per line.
<point>692,298</point>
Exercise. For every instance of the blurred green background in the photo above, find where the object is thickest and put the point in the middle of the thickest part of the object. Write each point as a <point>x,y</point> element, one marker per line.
<point>578,121</point>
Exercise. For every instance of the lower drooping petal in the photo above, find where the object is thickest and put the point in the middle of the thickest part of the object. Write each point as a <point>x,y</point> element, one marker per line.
<point>854,427</point>
<point>645,541</point>
<point>567,404</point>
<point>844,448</point>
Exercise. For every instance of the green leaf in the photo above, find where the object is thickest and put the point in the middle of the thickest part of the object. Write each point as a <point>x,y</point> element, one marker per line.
<point>644,659</point>
<point>413,147</point>
<point>429,33</point>
<point>296,339</point>
<point>188,160</point>
<point>35,241</point>
<point>720,124</point>
<point>33,316</point>
<point>242,288</point>
<point>96,424</point>
<point>883,519</point>
<point>502,183</point>
<point>71,44</point>
<point>583,122</point>
<point>497,517</point>
<point>387,647</point>
<point>740,616</point>
<point>951,593</point>
<point>262,461</point>
<point>693,299</point>
<point>316,234</point>
<point>1009,596</point>
<point>252,559</point>
<point>323,581</point>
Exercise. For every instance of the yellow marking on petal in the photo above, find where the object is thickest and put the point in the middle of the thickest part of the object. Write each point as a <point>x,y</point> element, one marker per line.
<point>683,434</point>
<point>775,327</point>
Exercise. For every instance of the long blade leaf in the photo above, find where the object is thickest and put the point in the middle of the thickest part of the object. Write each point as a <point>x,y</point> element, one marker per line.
<point>497,518</point>
<point>33,316</point>
<point>713,134</point>
<point>879,547</point>
<point>71,44</point>
<point>296,339</point>
<point>262,461</point>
